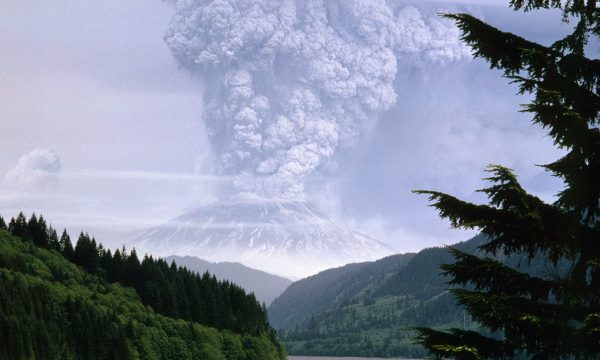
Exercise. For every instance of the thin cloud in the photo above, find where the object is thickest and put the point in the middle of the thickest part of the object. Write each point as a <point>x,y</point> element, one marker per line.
<point>10,197</point>
<point>144,175</point>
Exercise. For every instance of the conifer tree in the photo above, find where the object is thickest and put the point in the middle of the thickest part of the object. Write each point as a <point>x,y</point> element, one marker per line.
<point>66,246</point>
<point>32,225</point>
<point>3,224</point>
<point>19,227</point>
<point>534,316</point>
<point>53,241</point>
<point>86,253</point>
<point>38,230</point>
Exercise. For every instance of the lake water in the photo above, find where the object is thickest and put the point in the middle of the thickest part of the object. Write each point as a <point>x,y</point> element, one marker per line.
<point>292,357</point>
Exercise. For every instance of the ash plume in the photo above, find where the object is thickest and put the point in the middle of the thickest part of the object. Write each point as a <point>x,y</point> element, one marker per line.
<point>288,82</point>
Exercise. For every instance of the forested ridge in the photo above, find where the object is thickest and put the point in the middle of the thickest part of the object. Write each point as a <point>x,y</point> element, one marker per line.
<point>265,286</point>
<point>61,301</point>
<point>373,305</point>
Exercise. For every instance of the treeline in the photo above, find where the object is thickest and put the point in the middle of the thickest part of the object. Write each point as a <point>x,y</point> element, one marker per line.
<point>387,314</point>
<point>372,327</point>
<point>375,306</point>
<point>50,308</point>
<point>375,319</point>
<point>170,290</point>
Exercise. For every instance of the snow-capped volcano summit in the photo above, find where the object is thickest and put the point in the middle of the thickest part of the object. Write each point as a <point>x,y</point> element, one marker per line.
<point>290,238</point>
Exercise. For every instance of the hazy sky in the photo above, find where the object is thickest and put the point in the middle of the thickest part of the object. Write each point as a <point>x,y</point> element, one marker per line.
<point>104,130</point>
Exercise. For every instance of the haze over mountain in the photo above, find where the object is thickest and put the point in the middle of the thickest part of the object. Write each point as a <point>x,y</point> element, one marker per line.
<point>265,286</point>
<point>329,289</point>
<point>366,309</point>
<point>165,133</point>
<point>284,237</point>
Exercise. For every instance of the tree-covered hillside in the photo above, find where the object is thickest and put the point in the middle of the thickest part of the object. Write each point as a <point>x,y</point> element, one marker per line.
<point>51,308</point>
<point>265,286</point>
<point>374,319</point>
<point>330,288</point>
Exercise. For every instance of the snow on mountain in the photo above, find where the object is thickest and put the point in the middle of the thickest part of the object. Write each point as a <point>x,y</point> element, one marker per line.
<point>290,238</point>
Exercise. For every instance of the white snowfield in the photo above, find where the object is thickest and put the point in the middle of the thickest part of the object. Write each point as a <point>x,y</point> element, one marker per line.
<point>289,238</point>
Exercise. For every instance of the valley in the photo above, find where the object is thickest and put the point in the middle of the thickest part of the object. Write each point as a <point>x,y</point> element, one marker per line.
<point>283,180</point>
<point>369,309</point>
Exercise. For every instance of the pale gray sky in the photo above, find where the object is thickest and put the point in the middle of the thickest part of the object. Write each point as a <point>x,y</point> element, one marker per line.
<point>95,83</point>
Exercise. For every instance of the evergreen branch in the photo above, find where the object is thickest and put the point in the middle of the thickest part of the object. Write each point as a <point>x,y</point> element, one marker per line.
<point>529,310</point>
<point>516,221</point>
<point>502,50</point>
<point>490,275</point>
<point>528,5</point>
<point>461,344</point>
<point>527,324</point>
<point>513,54</point>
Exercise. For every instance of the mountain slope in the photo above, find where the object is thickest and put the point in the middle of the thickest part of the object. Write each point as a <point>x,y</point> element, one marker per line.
<point>373,318</point>
<point>52,309</point>
<point>265,286</point>
<point>290,238</point>
<point>330,288</point>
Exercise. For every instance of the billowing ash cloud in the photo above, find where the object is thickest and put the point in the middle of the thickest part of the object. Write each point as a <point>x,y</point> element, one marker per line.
<point>290,81</point>
<point>35,171</point>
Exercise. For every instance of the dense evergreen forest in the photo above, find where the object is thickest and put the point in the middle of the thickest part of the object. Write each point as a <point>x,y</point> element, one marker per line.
<point>61,301</point>
<point>370,308</point>
<point>373,308</point>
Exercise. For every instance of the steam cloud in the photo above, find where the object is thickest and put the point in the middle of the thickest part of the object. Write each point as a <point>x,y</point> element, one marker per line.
<point>35,171</point>
<point>290,81</point>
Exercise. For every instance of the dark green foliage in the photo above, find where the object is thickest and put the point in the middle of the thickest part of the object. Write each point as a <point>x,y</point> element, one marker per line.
<point>382,309</point>
<point>461,343</point>
<point>66,247</point>
<point>52,309</point>
<point>368,307</point>
<point>556,315</point>
<point>329,289</point>
<point>19,227</point>
<point>265,286</point>
<point>53,241</point>
<point>421,278</point>
<point>87,254</point>
<point>38,229</point>
<point>170,290</point>
<point>179,293</point>
<point>3,225</point>
<point>385,301</point>
<point>35,230</point>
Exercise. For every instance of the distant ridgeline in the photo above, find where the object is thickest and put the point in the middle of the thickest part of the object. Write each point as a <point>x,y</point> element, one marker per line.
<point>366,309</point>
<point>63,302</point>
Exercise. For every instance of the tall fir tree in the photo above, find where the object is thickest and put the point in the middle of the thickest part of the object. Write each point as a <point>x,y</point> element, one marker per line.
<point>38,230</point>
<point>66,246</point>
<point>86,253</point>
<point>534,316</point>
<point>53,241</point>
<point>3,225</point>
<point>18,227</point>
